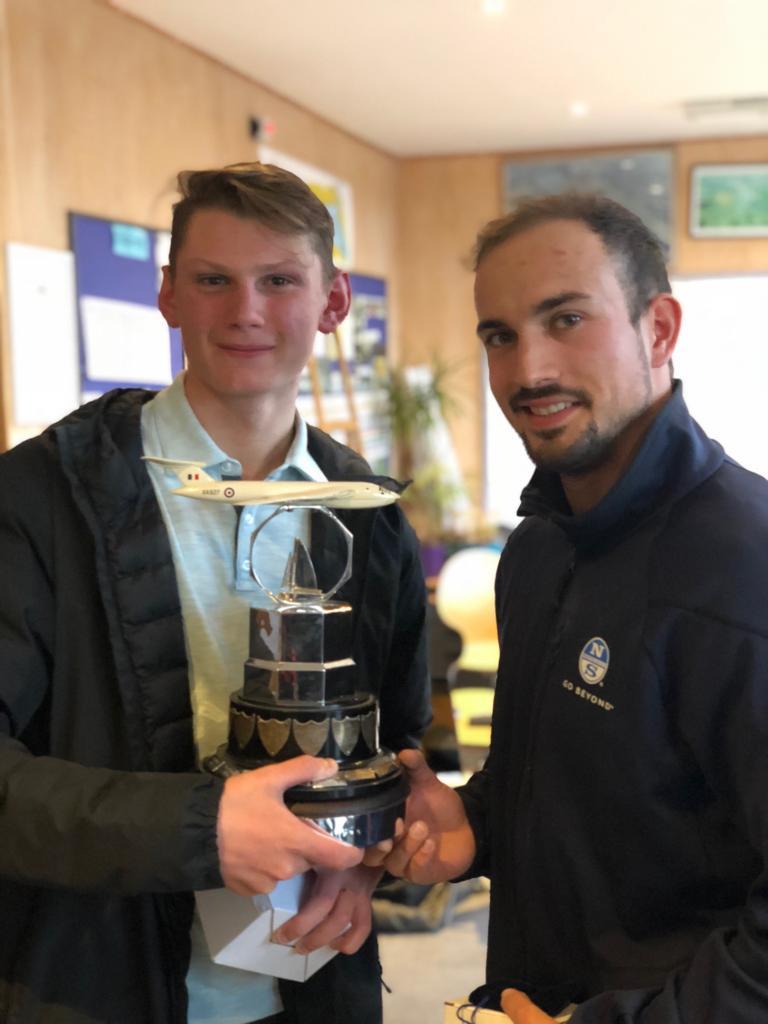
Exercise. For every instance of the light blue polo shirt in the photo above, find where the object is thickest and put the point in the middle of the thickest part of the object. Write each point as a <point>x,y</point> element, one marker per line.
<point>210,544</point>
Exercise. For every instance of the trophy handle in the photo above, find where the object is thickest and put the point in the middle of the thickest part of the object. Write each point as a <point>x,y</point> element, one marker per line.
<point>320,596</point>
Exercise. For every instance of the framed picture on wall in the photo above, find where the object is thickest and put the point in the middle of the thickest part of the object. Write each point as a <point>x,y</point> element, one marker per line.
<point>729,201</point>
<point>641,180</point>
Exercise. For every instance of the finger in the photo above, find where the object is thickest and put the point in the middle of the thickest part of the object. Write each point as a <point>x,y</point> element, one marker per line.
<point>334,925</point>
<point>521,1010</point>
<point>397,862</point>
<point>323,851</point>
<point>421,869</point>
<point>297,770</point>
<point>316,910</point>
<point>252,884</point>
<point>418,771</point>
<point>356,934</point>
<point>375,856</point>
<point>317,906</point>
<point>412,760</point>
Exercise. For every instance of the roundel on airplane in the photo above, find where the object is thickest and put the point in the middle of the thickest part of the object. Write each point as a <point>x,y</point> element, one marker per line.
<point>594,660</point>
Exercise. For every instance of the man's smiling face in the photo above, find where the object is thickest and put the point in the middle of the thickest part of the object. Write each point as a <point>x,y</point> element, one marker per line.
<point>569,370</point>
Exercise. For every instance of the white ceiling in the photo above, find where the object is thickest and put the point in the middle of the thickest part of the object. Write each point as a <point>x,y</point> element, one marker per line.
<point>417,77</point>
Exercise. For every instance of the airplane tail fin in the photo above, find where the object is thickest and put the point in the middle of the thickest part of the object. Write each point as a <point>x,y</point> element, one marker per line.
<point>186,470</point>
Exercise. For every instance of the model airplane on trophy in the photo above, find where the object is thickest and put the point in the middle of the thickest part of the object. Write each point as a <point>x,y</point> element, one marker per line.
<point>196,483</point>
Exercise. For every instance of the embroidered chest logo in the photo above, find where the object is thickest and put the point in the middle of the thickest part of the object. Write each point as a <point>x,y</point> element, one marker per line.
<point>594,660</point>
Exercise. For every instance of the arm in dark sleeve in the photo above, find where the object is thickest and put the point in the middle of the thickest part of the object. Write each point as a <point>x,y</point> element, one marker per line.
<point>474,795</point>
<point>84,828</point>
<point>61,823</point>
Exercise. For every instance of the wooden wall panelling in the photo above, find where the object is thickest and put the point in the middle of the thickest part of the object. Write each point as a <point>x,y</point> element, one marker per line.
<point>442,204</point>
<point>5,378</point>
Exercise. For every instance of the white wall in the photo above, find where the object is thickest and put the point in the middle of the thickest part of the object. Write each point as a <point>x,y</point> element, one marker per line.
<point>507,467</point>
<point>722,359</point>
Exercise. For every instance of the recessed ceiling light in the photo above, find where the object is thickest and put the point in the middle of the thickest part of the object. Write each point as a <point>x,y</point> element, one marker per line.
<point>579,108</point>
<point>494,6</point>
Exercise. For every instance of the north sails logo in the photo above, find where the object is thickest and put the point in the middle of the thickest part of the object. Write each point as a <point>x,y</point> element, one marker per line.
<point>594,660</point>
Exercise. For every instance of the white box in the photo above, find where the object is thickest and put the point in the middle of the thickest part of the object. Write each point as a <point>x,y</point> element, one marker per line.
<point>239,929</point>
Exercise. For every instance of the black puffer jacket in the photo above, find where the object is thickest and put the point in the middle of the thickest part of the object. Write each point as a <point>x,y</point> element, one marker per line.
<point>623,813</point>
<point>105,827</point>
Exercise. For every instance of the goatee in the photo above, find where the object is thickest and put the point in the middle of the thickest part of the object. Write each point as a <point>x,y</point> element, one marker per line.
<point>586,454</point>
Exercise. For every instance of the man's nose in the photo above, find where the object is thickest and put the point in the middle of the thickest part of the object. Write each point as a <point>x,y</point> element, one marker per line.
<point>247,306</point>
<point>536,362</point>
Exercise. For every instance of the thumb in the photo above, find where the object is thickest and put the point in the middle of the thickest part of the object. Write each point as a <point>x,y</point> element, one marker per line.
<point>298,770</point>
<point>521,1010</point>
<point>418,771</point>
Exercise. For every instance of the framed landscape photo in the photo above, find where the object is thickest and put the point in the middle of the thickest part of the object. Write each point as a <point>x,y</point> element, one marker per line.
<point>729,201</point>
<point>641,180</point>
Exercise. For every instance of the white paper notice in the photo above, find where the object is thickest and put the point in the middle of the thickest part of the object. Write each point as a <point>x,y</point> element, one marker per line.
<point>125,342</point>
<point>43,334</point>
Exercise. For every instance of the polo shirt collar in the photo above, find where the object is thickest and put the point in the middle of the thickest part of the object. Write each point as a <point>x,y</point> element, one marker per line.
<point>177,425</point>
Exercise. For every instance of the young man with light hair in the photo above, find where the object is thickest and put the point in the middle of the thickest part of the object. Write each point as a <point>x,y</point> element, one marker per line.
<point>123,631</point>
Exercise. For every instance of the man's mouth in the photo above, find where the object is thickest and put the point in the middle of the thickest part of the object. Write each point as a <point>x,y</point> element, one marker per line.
<point>548,410</point>
<point>246,350</point>
<point>545,413</point>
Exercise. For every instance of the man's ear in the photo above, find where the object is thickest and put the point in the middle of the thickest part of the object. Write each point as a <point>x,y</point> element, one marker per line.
<point>337,304</point>
<point>663,317</point>
<point>166,300</point>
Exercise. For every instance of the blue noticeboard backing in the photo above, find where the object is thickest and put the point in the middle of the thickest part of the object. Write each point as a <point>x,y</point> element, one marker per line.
<point>364,287</point>
<point>115,260</point>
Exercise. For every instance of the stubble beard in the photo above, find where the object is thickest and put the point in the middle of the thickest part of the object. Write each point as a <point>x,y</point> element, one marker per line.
<point>588,452</point>
<point>594,447</point>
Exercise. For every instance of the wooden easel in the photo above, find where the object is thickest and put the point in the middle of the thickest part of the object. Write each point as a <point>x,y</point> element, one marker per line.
<point>350,425</point>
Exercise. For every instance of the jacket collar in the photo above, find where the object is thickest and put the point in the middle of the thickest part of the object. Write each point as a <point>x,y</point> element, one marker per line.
<point>674,457</point>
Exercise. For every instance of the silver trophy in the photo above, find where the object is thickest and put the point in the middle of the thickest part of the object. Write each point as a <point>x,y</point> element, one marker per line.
<point>301,695</point>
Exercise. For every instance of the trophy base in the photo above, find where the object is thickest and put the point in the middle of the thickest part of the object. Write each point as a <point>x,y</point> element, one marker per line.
<point>359,805</point>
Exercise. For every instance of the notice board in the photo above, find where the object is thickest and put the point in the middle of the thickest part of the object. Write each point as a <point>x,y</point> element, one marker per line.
<point>123,340</point>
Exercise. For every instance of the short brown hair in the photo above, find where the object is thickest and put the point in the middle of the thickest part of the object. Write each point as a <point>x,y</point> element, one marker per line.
<point>639,254</point>
<point>271,195</point>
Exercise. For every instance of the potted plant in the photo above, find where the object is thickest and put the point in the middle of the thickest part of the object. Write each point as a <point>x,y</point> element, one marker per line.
<point>418,404</point>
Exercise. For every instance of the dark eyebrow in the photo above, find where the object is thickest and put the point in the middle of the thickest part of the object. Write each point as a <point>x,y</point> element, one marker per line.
<point>491,325</point>
<point>541,307</point>
<point>557,300</point>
